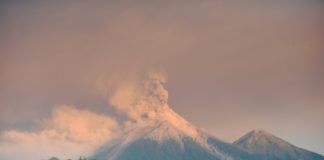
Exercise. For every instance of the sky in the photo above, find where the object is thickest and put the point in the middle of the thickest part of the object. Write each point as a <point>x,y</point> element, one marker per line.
<point>232,66</point>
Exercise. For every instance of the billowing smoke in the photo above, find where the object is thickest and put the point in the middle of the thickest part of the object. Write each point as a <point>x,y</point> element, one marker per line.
<point>69,133</point>
<point>72,132</point>
<point>141,97</point>
<point>144,100</point>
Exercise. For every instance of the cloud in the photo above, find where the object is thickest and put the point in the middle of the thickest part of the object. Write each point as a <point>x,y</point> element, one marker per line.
<point>69,133</point>
<point>140,96</point>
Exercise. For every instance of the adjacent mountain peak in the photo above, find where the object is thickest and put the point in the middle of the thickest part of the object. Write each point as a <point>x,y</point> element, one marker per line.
<point>256,133</point>
<point>263,143</point>
<point>260,132</point>
<point>257,138</point>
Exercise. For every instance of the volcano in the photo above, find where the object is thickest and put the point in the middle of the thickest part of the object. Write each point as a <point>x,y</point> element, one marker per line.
<point>155,132</point>
<point>270,147</point>
<point>168,137</point>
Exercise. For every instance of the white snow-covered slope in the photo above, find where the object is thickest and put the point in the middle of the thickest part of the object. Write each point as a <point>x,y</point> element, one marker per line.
<point>168,136</point>
<point>270,147</point>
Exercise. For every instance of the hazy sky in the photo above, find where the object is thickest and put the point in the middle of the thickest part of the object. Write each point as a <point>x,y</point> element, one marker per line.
<point>233,66</point>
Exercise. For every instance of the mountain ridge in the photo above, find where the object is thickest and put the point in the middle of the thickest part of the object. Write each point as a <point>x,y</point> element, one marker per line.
<point>167,135</point>
<point>171,137</point>
<point>267,145</point>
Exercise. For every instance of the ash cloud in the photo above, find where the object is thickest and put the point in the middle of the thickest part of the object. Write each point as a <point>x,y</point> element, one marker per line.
<point>72,132</point>
<point>141,97</point>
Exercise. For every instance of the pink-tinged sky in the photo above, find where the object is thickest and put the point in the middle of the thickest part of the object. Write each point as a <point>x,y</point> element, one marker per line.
<point>233,66</point>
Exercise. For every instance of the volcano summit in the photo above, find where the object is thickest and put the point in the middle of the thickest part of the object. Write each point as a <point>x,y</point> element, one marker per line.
<point>156,132</point>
